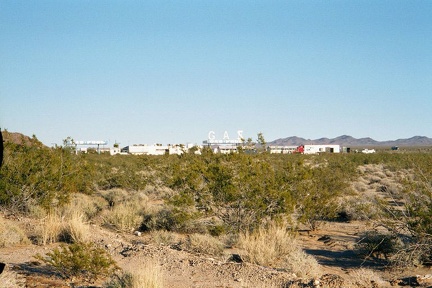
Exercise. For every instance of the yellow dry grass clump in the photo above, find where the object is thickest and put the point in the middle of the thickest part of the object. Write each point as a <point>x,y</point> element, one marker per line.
<point>205,244</point>
<point>146,275</point>
<point>124,217</point>
<point>11,234</point>
<point>274,246</point>
<point>69,224</point>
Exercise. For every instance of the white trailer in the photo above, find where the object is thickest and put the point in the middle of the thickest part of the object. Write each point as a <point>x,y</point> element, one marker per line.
<point>316,149</point>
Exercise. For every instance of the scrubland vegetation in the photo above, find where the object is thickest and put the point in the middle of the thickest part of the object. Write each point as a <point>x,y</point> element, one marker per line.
<point>206,203</point>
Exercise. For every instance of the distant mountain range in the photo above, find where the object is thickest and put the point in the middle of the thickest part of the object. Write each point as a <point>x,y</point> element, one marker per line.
<point>349,141</point>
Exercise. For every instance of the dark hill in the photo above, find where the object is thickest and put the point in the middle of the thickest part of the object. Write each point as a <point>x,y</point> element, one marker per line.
<point>20,139</point>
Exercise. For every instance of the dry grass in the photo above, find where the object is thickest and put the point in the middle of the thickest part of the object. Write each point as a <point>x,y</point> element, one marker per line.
<point>126,209</point>
<point>11,234</point>
<point>365,278</point>
<point>205,244</point>
<point>162,237</point>
<point>146,275</point>
<point>380,174</point>
<point>68,224</point>
<point>76,228</point>
<point>50,229</point>
<point>276,247</point>
<point>114,196</point>
<point>90,206</point>
<point>124,217</point>
<point>360,186</point>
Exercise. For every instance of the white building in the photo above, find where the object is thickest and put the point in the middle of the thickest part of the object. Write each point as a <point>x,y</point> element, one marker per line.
<point>316,149</point>
<point>144,149</point>
<point>225,149</point>
<point>282,149</point>
<point>115,150</point>
<point>157,149</point>
<point>304,149</point>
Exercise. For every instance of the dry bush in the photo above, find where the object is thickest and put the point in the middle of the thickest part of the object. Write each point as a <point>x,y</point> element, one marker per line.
<point>163,237</point>
<point>205,244</point>
<point>158,192</point>
<point>374,179</point>
<point>360,186</point>
<point>114,196</point>
<point>391,188</point>
<point>172,218</point>
<point>11,234</point>
<point>365,278</point>
<point>362,207</point>
<point>124,217</point>
<point>389,173</point>
<point>76,229</point>
<point>36,212</point>
<point>68,224</point>
<point>50,229</point>
<point>126,209</point>
<point>276,247</point>
<point>378,244</point>
<point>146,275</point>
<point>362,179</point>
<point>89,206</point>
<point>380,175</point>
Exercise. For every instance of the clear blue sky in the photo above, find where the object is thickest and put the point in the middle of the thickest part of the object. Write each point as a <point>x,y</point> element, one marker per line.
<point>171,71</point>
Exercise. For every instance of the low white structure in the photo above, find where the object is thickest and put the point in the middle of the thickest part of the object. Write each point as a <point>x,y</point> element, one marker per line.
<point>157,149</point>
<point>304,149</point>
<point>144,149</point>
<point>225,149</point>
<point>316,149</point>
<point>115,150</point>
<point>282,149</point>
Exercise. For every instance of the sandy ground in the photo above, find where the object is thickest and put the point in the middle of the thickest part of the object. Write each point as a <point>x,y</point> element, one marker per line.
<point>332,246</point>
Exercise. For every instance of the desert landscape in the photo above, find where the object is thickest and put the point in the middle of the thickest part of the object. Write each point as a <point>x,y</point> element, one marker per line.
<point>237,220</point>
<point>215,144</point>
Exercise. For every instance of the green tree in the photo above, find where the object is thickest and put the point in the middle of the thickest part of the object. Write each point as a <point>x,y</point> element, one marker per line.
<point>261,141</point>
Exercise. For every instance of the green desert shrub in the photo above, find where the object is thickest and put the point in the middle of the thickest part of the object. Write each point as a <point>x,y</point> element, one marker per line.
<point>80,262</point>
<point>173,219</point>
<point>37,175</point>
<point>408,216</point>
<point>379,245</point>
<point>122,172</point>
